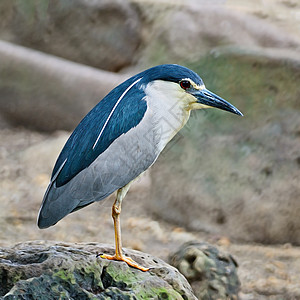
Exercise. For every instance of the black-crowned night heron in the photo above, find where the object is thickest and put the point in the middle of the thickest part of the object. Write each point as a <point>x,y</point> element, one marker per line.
<point>120,138</point>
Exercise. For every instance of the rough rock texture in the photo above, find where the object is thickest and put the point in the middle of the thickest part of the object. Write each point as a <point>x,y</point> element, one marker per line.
<point>99,33</point>
<point>36,270</point>
<point>48,93</point>
<point>236,176</point>
<point>212,274</point>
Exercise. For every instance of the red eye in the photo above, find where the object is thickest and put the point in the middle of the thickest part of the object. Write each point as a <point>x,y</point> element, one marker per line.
<point>185,84</point>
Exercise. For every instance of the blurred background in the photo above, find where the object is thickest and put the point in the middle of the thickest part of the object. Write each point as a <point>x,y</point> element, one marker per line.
<point>234,182</point>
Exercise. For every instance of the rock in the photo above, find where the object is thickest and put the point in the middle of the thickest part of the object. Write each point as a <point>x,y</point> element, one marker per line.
<point>100,33</point>
<point>231,176</point>
<point>212,274</point>
<point>48,93</point>
<point>185,33</point>
<point>72,271</point>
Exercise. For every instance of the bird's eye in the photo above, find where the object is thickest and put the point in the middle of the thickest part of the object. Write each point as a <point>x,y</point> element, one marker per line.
<point>185,84</point>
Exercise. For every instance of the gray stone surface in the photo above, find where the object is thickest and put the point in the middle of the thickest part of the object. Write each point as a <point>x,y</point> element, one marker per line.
<point>48,93</point>
<point>212,273</point>
<point>100,33</point>
<point>38,270</point>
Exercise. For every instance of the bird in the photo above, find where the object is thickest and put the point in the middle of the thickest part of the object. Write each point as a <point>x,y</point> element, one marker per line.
<point>120,138</point>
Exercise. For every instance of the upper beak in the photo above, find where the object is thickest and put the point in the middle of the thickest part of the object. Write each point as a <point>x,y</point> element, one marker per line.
<point>208,98</point>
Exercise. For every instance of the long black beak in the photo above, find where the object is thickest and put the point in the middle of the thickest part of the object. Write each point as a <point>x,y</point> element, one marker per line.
<point>208,98</point>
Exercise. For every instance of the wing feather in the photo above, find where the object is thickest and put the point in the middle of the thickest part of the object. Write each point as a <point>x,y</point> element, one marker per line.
<point>114,115</point>
<point>126,147</point>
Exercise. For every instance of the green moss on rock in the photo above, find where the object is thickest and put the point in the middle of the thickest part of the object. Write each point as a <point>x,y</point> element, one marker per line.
<point>74,272</point>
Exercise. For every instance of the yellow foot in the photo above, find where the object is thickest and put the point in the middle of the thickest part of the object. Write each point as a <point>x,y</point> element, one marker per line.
<point>128,260</point>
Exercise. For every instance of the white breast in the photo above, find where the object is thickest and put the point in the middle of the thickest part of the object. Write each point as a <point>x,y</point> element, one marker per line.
<point>168,104</point>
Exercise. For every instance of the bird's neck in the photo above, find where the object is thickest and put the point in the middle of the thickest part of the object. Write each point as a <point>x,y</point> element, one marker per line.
<point>169,110</point>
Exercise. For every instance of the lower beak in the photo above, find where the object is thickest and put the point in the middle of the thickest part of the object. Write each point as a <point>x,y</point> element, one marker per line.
<point>208,98</point>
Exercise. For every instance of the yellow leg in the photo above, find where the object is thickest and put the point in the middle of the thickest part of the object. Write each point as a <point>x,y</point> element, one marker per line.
<point>116,211</point>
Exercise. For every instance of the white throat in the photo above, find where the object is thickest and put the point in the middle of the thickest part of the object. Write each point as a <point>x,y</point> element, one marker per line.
<point>168,104</point>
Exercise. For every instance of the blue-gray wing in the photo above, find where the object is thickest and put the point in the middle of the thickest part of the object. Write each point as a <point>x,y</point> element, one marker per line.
<point>127,154</point>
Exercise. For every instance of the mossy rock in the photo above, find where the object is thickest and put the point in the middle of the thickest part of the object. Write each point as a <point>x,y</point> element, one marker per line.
<point>36,270</point>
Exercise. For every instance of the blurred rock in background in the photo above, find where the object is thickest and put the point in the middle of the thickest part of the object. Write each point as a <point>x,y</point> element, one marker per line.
<point>94,32</point>
<point>186,33</point>
<point>48,93</point>
<point>211,273</point>
<point>238,177</point>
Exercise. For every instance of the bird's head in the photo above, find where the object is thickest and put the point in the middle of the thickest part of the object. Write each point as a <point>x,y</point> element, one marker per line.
<point>186,86</point>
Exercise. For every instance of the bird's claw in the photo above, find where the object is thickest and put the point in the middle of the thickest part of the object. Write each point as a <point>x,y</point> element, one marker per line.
<point>128,260</point>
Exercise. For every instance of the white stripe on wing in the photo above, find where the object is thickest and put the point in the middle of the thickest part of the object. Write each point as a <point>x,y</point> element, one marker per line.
<point>114,108</point>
